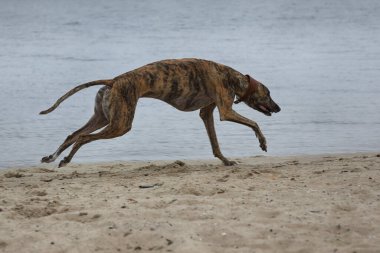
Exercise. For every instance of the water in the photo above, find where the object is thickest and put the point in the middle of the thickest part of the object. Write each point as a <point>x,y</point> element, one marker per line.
<point>321,60</point>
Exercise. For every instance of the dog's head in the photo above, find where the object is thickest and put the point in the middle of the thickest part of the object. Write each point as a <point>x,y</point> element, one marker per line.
<point>259,98</point>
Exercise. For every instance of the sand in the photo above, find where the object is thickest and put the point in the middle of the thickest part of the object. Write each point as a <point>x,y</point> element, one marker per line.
<point>264,204</point>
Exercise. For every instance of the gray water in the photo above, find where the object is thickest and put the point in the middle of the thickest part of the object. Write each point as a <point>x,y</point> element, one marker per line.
<point>320,59</point>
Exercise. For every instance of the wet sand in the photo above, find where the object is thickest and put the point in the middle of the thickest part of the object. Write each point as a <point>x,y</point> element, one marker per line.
<point>264,204</point>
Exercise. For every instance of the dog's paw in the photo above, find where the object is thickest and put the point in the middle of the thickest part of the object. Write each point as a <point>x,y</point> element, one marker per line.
<point>47,159</point>
<point>63,162</point>
<point>229,163</point>
<point>263,145</point>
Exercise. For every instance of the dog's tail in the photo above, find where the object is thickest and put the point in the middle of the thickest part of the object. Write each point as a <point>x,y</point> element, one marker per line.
<point>75,90</point>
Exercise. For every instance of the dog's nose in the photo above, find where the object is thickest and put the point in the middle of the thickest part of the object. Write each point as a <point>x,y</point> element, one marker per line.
<point>278,109</point>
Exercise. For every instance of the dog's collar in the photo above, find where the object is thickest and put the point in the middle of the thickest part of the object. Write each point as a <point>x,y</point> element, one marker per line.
<point>252,87</point>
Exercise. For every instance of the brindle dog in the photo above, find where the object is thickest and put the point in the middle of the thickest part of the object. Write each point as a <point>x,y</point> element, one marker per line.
<point>186,84</point>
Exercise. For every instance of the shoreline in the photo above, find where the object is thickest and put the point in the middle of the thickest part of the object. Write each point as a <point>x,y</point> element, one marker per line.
<point>210,159</point>
<point>308,203</point>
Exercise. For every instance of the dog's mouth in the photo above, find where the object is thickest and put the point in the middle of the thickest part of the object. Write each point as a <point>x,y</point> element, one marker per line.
<point>263,109</point>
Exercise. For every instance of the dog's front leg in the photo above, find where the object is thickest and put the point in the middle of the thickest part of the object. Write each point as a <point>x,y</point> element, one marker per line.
<point>231,115</point>
<point>208,120</point>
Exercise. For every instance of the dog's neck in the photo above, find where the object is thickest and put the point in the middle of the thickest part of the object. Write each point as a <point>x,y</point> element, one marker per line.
<point>247,86</point>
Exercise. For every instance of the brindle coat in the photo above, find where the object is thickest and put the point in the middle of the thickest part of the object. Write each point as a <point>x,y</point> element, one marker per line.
<point>186,84</point>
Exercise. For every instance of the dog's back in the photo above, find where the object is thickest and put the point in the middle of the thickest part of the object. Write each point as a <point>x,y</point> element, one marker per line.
<point>186,84</point>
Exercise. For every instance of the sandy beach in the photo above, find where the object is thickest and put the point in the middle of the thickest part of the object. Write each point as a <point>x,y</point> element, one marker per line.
<point>321,203</point>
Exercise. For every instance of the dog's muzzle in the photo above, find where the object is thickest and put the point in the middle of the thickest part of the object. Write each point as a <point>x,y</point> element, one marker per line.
<point>268,110</point>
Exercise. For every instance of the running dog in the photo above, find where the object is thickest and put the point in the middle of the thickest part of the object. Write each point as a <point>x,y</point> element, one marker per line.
<point>186,84</point>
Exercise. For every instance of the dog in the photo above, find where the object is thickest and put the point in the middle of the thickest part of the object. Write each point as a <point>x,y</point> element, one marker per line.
<point>186,84</point>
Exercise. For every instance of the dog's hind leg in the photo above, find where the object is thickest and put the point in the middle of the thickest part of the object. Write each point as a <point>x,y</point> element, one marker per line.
<point>97,121</point>
<point>121,113</point>
<point>206,114</point>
